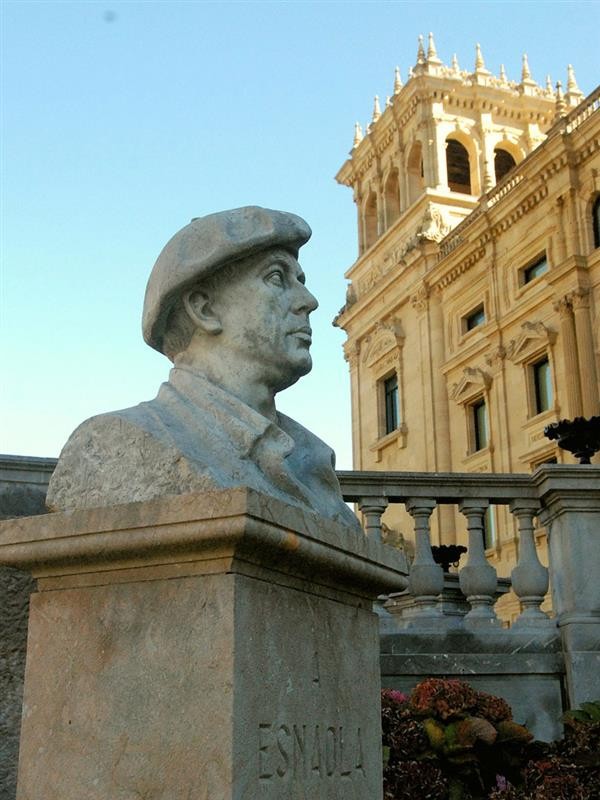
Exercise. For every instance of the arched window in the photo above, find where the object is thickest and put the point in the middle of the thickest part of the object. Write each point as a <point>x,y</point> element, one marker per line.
<point>370,220</point>
<point>459,169</point>
<point>416,182</point>
<point>596,221</point>
<point>392,198</point>
<point>503,163</point>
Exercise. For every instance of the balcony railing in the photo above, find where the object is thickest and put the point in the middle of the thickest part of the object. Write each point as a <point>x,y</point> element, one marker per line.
<point>527,497</point>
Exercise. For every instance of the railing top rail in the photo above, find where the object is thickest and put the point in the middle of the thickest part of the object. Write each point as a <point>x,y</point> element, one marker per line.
<point>445,487</point>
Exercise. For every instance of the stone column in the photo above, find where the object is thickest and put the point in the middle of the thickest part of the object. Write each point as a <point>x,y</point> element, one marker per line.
<point>585,352</point>
<point>570,360</point>
<point>570,498</point>
<point>204,646</point>
<point>352,355</point>
<point>441,411</point>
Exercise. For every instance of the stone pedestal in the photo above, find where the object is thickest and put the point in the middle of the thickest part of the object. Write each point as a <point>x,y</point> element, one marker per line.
<point>207,646</point>
<point>570,496</point>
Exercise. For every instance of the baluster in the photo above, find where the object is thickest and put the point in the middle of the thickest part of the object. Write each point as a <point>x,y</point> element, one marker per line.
<point>477,579</point>
<point>373,508</point>
<point>426,578</point>
<point>529,578</point>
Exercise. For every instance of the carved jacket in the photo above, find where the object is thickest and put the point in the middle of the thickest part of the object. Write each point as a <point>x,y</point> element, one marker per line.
<point>193,437</point>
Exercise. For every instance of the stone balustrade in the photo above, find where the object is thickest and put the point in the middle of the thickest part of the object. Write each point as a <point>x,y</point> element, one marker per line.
<point>472,494</point>
<point>565,499</point>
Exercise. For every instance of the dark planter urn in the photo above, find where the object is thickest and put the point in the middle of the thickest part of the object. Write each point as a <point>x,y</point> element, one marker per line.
<point>578,436</point>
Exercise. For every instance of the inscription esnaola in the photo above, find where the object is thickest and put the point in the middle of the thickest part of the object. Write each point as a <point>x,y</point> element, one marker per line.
<point>309,752</point>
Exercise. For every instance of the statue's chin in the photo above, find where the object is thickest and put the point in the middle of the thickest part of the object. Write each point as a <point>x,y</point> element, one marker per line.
<point>294,373</point>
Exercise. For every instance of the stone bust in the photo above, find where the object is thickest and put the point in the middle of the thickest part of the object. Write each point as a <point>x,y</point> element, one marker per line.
<point>226,302</point>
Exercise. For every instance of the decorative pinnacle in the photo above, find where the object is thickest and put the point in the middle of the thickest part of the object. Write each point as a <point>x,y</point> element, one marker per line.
<point>561,106</point>
<point>358,134</point>
<point>376,109</point>
<point>574,95</point>
<point>455,67</point>
<point>549,87</point>
<point>420,51</point>
<point>397,80</point>
<point>479,62</point>
<point>503,77</point>
<point>525,71</point>
<point>432,55</point>
<point>388,101</point>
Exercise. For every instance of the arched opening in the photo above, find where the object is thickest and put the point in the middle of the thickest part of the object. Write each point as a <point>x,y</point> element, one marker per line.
<point>370,220</point>
<point>414,168</point>
<point>459,168</point>
<point>596,221</point>
<point>503,163</point>
<point>392,198</point>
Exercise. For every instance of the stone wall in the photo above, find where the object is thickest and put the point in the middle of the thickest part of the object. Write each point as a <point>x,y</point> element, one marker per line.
<point>23,483</point>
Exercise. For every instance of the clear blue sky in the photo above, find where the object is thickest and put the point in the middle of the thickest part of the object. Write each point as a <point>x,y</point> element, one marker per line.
<point>122,120</point>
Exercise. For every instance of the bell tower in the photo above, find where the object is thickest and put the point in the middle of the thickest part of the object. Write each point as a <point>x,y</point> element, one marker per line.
<point>444,138</point>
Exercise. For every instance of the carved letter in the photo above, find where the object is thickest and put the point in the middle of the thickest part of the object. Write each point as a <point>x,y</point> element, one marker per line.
<point>264,732</point>
<point>345,771</point>
<point>283,735</point>
<point>359,762</point>
<point>330,750</point>
<point>315,759</point>
<point>300,749</point>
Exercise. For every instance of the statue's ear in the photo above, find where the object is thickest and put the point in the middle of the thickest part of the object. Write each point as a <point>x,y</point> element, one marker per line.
<point>200,310</point>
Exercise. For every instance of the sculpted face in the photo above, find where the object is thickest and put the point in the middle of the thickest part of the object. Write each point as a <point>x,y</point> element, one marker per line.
<point>264,314</point>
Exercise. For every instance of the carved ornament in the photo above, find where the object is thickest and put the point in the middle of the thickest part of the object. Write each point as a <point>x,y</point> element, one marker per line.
<point>534,336</point>
<point>386,337</point>
<point>473,382</point>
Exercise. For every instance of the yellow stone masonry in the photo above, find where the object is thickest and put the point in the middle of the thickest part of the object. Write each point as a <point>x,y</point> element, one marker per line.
<point>477,287</point>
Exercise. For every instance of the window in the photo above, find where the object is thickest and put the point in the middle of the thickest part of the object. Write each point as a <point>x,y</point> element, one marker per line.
<point>542,385</point>
<point>459,169</point>
<point>474,319</point>
<point>503,163</point>
<point>390,394</point>
<point>479,425</point>
<point>392,199</point>
<point>596,221</point>
<point>370,220</point>
<point>489,528</point>
<point>534,270</point>
<point>414,164</point>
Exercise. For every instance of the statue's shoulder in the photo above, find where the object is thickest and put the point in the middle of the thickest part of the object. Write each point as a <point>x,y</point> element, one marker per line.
<point>111,454</point>
<point>307,440</point>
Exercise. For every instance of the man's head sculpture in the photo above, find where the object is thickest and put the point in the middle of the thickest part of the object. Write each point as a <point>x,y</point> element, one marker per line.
<point>226,302</point>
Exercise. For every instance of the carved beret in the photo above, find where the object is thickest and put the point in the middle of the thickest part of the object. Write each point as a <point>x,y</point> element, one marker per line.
<point>203,247</point>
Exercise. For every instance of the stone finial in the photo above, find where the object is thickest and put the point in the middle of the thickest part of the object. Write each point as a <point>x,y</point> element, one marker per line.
<point>397,80</point>
<point>432,56</point>
<point>561,106</point>
<point>388,101</point>
<point>525,71</point>
<point>358,134</point>
<point>455,67</point>
<point>420,51</point>
<point>376,109</point>
<point>503,77</point>
<point>549,87</point>
<point>573,95</point>
<point>479,62</point>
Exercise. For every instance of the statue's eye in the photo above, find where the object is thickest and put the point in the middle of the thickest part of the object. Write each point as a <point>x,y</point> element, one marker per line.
<point>276,277</point>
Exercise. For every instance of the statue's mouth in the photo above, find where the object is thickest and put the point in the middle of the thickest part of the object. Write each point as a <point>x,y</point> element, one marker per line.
<point>304,333</point>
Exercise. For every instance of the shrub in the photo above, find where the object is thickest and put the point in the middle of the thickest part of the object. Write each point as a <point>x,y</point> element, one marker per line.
<point>447,741</point>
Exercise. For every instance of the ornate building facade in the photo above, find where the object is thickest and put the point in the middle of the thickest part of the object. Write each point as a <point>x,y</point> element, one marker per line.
<point>473,309</point>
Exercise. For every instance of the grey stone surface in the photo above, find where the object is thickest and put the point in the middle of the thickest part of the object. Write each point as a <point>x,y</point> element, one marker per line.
<point>219,645</point>
<point>528,671</point>
<point>23,484</point>
<point>227,303</point>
